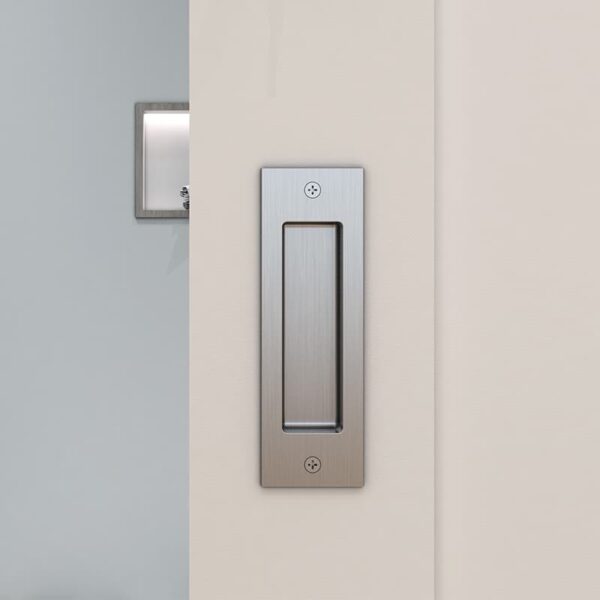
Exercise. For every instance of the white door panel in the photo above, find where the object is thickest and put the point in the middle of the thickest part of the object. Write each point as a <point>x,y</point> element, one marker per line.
<point>311,83</point>
<point>287,83</point>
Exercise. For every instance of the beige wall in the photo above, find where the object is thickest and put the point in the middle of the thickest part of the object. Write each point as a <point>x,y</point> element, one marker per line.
<point>311,83</point>
<point>518,300</point>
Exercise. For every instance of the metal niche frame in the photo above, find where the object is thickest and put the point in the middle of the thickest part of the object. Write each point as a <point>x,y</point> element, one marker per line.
<point>141,108</point>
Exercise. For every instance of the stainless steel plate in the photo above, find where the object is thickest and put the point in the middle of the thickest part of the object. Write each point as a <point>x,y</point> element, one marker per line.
<point>312,328</point>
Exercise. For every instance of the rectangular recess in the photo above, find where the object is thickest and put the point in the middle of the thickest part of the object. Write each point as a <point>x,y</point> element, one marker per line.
<point>311,327</point>
<point>161,159</point>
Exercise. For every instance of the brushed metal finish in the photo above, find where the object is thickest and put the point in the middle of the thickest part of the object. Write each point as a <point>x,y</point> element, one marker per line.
<point>140,211</point>
<point>310,325</point>
<point>318,243</point>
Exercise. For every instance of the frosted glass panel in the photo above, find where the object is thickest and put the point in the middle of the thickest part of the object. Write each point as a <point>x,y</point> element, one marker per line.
<point>166,158</point>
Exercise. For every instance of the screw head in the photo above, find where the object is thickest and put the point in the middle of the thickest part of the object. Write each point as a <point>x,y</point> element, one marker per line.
<point>312,464</point>
<point>312,189</point>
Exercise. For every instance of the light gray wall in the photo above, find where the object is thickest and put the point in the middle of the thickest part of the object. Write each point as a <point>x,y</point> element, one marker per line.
<point>93,307</point>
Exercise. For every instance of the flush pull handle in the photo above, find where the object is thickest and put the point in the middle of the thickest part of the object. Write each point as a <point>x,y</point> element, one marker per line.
<point>312,327</point>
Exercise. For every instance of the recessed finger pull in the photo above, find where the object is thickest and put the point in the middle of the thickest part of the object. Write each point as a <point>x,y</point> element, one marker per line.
<point>312,327</point>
